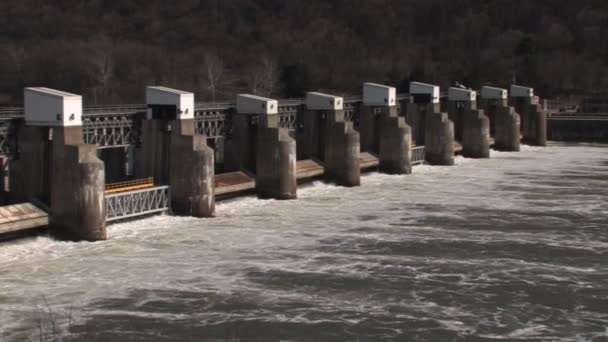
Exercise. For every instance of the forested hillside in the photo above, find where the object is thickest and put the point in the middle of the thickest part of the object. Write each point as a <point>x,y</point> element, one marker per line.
<point>109,50</point>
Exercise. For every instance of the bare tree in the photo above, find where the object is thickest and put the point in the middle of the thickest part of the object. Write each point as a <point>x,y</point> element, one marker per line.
<point>103,64</point>
<point>264,76</point>
<point>213,74</point>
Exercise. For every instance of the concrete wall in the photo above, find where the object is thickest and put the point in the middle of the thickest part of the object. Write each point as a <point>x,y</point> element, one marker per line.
<point>578,130</point>
<point>154,153</point>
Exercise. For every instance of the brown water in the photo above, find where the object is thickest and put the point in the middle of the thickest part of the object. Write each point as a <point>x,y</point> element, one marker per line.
<point>512,248</point>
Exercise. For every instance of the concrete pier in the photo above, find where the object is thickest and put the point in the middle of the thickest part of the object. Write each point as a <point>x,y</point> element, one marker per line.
<point>275,163</point>
<point>395,143</point>
<point>272,149</point>
<point>437,134</point>
<point>533,117</point>
<point>471,125</point>
<point>476,134</point>
<point>68,174</point>
<point>342,149</point>
<point>77,187</point>
<point>507,134</point>
<point>504,121</point>
<point>192,172</point>
<point>329,138</point>
<point>439,141</point>
<point>387,134</point>
<point>175,156</point>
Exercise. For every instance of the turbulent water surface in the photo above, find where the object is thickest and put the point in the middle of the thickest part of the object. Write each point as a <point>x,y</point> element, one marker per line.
<point>513,248</point>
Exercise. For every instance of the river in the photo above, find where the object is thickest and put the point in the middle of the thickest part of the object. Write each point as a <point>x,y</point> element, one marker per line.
<point>511,248</point>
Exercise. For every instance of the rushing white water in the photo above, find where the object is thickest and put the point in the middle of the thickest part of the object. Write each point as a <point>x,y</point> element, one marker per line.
<point>515,247</point>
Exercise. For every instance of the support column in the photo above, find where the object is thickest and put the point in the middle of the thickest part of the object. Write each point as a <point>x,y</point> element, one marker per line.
<point>274,149</point>
<point>342,148</point>
<point>392,136</point>
<point>192,174</point>
<point>533,116</point>
<point>275,161</point>
<point>439,142</point>
<point>475,134</point>
<point>76,177</point>
<point>78,208</point>
<point>535,131</point>
<point>438,136</point>
<point>395,143</point>
<point>471,126</point>
<point>183,160</point>
<point>504,121</point>
<point>507,136</point>
<point>332,140</point>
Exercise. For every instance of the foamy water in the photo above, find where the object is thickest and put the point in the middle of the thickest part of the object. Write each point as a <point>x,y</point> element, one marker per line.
<point>512,248</point>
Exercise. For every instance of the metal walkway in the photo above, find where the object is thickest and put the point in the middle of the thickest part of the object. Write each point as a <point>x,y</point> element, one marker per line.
<point>128,204</point>
<point>309,168</point>
<point>20,217</point>
<point>232,183</point>
<point>368,161</point>
<point>417,155</point>
<point>113,126</point>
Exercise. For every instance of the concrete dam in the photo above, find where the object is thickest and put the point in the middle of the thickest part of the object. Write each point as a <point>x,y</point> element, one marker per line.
<point>75,169</point>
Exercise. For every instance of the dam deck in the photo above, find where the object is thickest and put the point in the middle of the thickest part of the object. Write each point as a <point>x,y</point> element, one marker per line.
<point>233,182</point>
<point>309,169</point>
<point>368,161</point>
<point>20,217</point>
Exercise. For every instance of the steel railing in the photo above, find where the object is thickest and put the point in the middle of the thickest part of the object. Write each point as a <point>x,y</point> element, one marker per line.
<point>135,203</point>
<point>417,155</point>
